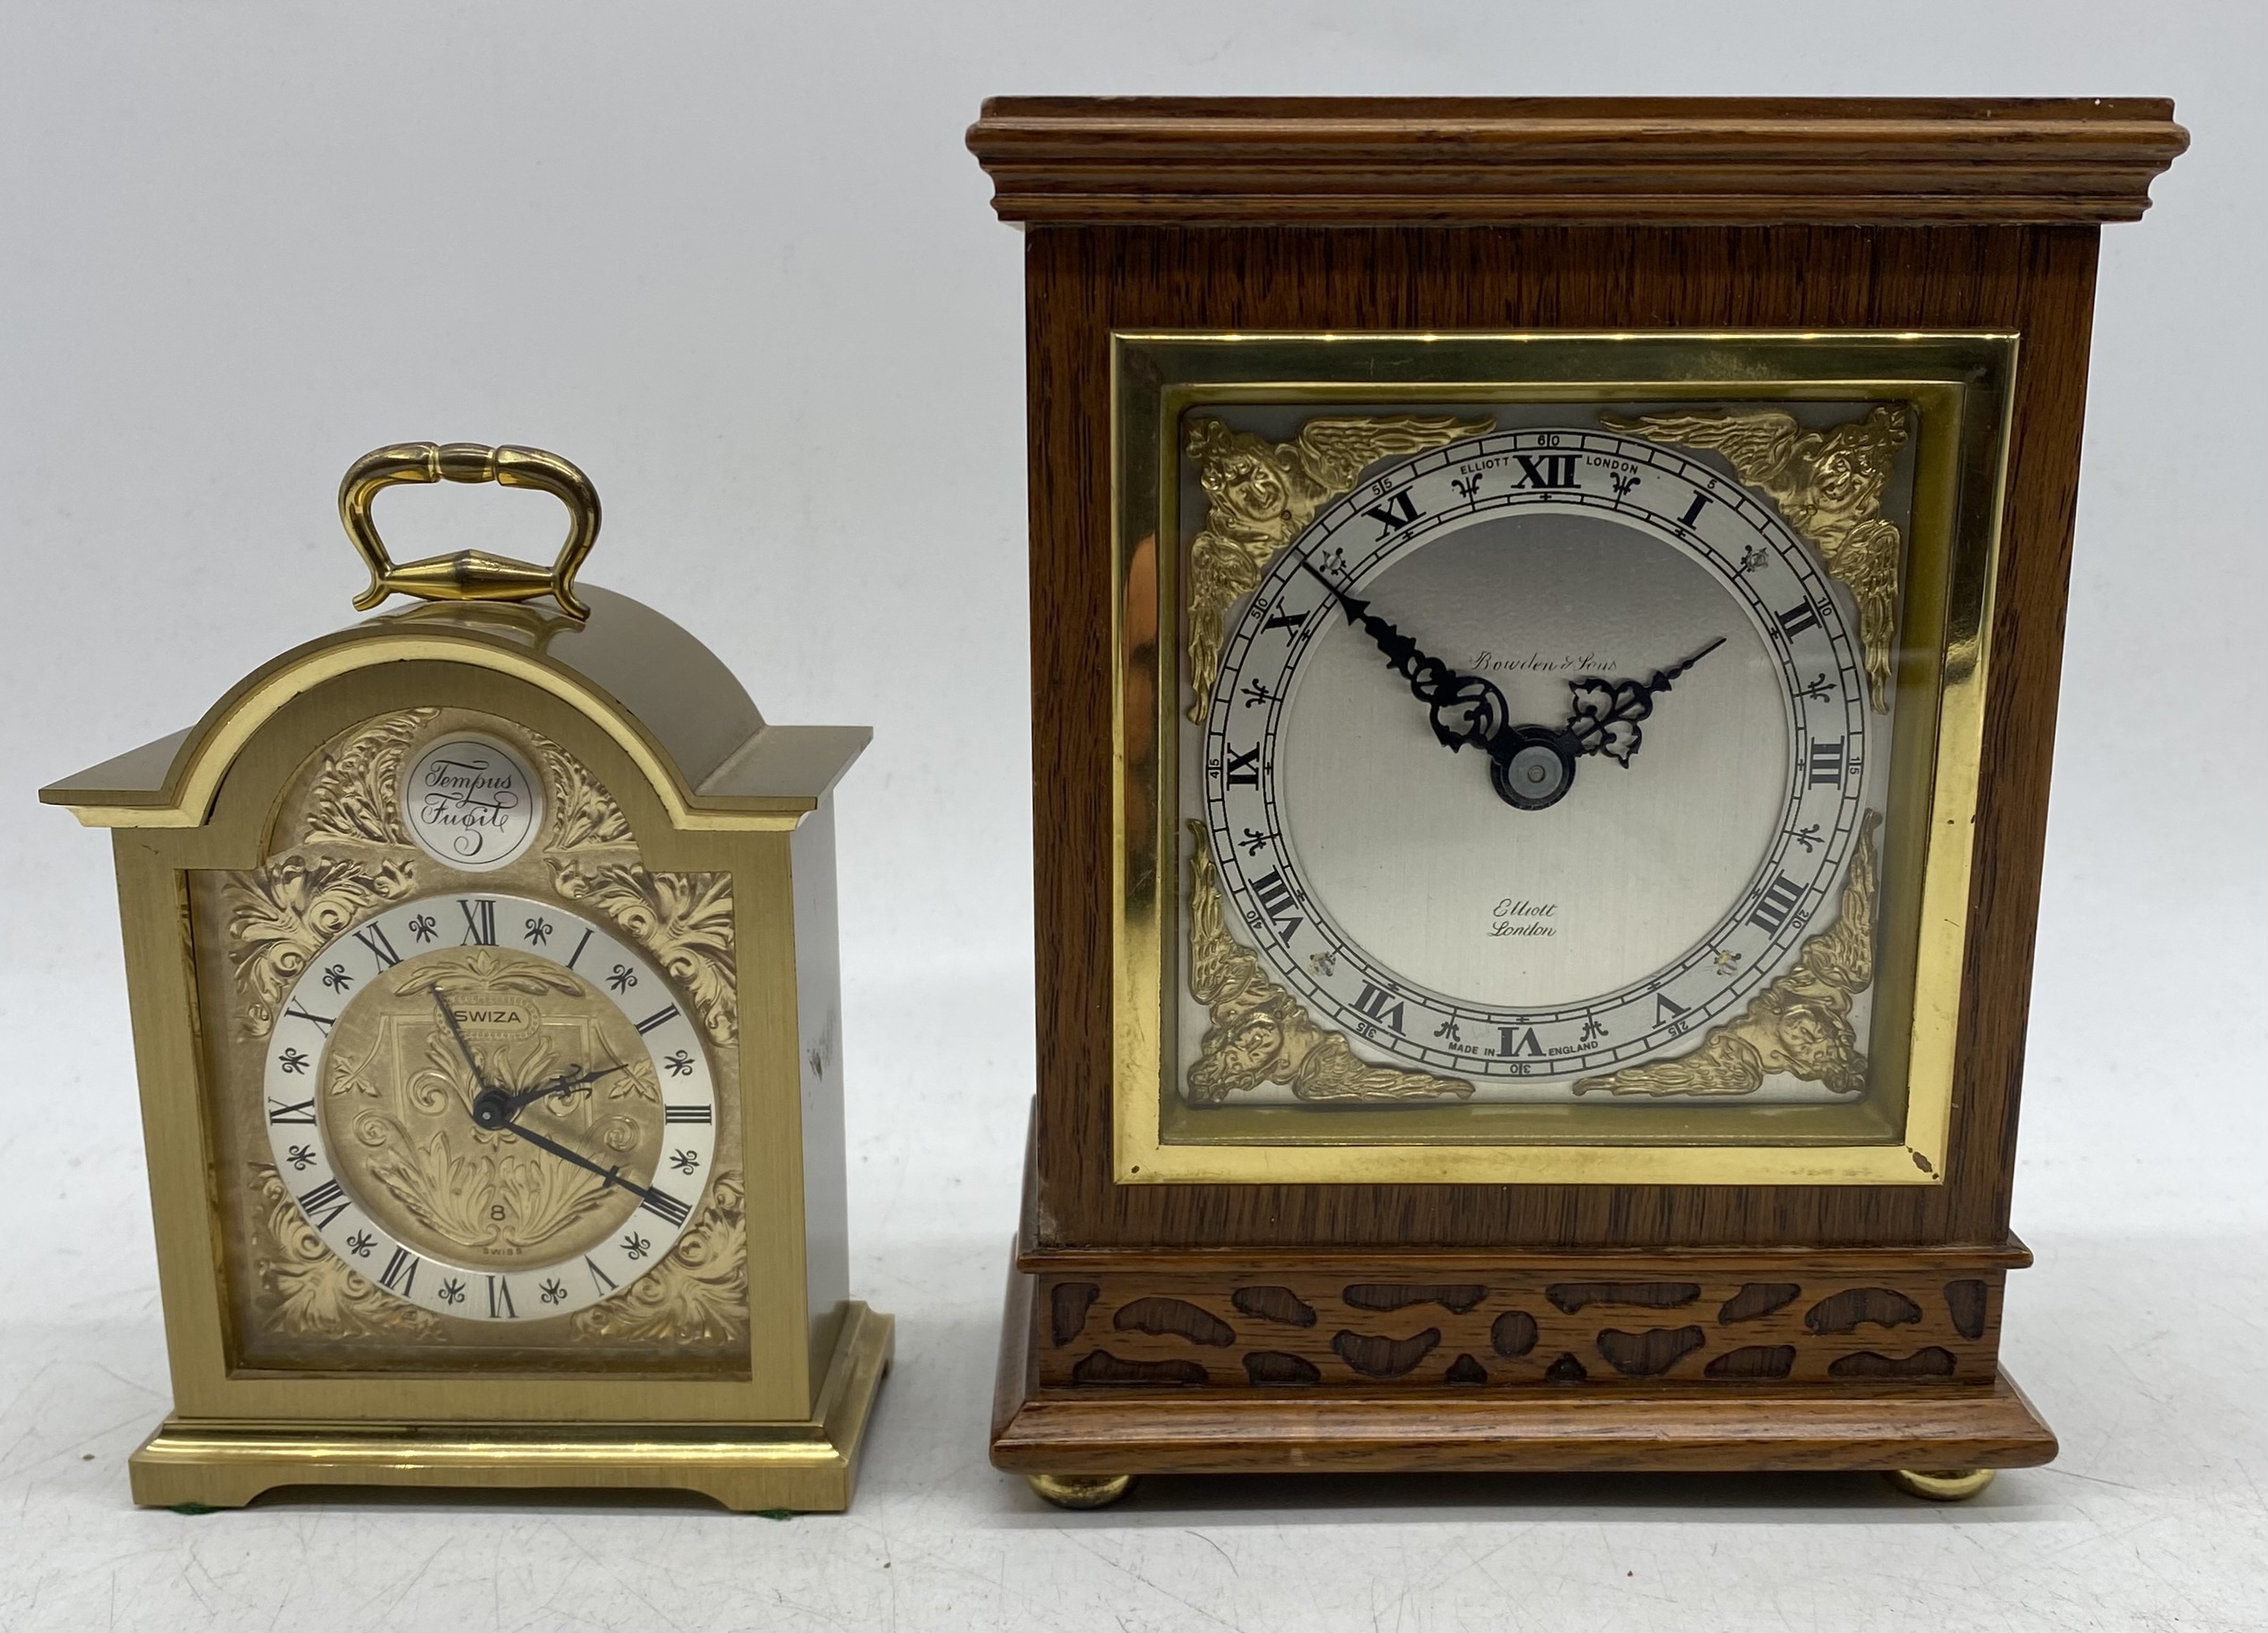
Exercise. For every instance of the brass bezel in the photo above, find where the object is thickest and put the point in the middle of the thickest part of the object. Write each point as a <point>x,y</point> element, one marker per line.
<point>1959,384</point>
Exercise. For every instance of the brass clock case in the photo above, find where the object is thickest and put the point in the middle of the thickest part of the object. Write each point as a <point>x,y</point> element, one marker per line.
<point>495,1113</point>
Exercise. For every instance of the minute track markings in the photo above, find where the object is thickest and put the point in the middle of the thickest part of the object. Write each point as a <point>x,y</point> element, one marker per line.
<point>424,1272</point>
<point>1673,484</point>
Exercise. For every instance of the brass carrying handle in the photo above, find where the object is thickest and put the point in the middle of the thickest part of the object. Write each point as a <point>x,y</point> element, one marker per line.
<point>469,575</point>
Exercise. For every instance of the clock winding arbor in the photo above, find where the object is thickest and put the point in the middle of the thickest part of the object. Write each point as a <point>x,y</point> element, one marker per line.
<point>482,963</point>
<point>1283,1213</point>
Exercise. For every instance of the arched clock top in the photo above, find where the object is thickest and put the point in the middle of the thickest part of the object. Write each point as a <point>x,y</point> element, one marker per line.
<point>660,694</point>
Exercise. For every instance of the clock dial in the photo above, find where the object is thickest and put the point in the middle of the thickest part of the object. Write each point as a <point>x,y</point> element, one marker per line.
<point>1527,762</point>
<point>490,1106</point>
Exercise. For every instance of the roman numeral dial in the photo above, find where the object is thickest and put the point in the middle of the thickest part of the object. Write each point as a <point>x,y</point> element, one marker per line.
<point>1635,628</point>
<point>497,1108</point>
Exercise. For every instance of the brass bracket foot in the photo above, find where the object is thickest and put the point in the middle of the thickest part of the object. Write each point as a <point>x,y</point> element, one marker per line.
<point>1081,1491</point>
<point>1939,1485</point>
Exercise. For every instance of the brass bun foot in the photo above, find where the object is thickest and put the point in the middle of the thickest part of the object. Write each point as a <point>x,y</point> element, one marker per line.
<point>1081,1491</point>
<point>1939,1485</point>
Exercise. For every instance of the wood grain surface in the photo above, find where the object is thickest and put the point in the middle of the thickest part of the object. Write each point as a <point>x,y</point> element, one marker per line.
<point>1849,1424</point>
<point>1083,282</point>
<point>1248,1327</point>
<point>1512,1328</point>
<point>1449,160</point>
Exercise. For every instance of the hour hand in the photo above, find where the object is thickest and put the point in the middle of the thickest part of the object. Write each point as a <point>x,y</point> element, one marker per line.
<point>1465,709</point>
<point>1603,715</point>
<point>573,1078</point>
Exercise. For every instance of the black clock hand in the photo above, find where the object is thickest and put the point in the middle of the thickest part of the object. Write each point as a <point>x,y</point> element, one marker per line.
<point>612,1176</point>
<point>1601,709</point>
<point>449,1017</point>
<point>1465,708</point>
<point>573,1078</point>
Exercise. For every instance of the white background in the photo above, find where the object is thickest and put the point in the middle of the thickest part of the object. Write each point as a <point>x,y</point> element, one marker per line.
<point>735,261</point>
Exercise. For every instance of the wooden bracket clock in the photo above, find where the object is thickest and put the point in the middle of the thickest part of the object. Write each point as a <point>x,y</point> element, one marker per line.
<point>1545,627</point>
<point>481,960</point>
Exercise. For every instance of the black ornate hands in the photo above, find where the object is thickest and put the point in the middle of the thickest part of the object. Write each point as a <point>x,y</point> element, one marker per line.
<point>1530,766</point>
<point>494,1105</point>
<point>496,1119</point>
<point>1603,715</point>
<point>457,1031</point>
<point>1465,708</point>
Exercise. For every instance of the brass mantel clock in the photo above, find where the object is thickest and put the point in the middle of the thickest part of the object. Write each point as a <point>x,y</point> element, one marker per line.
<point>482,959</point>
<point>1545,620</point>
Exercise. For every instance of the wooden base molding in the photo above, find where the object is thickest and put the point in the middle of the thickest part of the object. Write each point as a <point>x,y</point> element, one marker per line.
<point>810,1466</point>
<point>1450,1409</point>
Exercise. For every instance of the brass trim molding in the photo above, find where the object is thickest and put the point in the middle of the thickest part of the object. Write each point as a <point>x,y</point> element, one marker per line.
<point>1945,394</point>
<point>808,1463</point>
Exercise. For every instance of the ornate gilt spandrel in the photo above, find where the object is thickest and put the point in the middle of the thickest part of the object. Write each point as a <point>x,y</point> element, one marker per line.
<point>1801,1025</point>
<point>302,1288</point>
<point>1259,494</point>
<point>279,916</point>
<point>1259,1032</point>
<point>339,852</point>
<point>699,1295</point>
<point>684,920</point>
<point>1829,484</point>
<point>356,794</point>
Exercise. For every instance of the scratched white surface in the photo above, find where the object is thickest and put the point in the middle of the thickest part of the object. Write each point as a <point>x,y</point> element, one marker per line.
<point>734,258</point>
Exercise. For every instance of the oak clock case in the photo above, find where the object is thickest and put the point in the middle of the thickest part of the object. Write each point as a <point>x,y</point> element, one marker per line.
<point>1546,613</point>
<point>482,959</point>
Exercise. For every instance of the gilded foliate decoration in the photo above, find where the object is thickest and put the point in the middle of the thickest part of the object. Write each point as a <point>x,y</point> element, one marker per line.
<point>278,917</point>
<point>698,1295</point>
<point>684,921</point>
<point>1799,1025</point>
<point>1829,485</point>
<point>584,815</point>
<point>1259,1032</point>
<point>1259,494</point>
<point>306,1291</point>
<point>355,798</point>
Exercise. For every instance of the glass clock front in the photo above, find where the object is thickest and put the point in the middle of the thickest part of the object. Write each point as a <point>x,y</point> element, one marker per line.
<point>1544,750</point>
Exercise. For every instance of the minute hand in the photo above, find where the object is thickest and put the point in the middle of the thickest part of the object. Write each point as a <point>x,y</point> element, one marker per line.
<point>449,1019</point>
<point>612,1176</point>
<point>1603,715</point>
<point>1465,709</point>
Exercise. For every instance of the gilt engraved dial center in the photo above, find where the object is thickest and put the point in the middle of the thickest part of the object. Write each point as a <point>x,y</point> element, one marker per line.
<point>491,1106</point>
